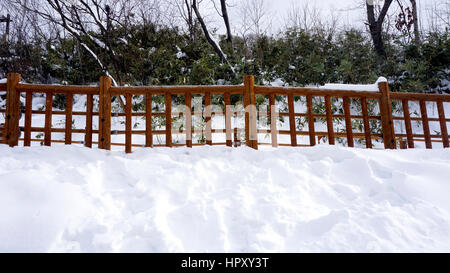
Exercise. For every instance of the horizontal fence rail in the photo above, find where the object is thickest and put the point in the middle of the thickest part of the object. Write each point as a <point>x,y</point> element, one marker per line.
<point>365,117</point>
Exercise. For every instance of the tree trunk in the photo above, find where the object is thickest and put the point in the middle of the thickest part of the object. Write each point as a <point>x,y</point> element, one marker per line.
<point>206,32</point>
<point>376,26</point>
<point>416,22</point>
<point>226,20</point>
<point>190,20</point>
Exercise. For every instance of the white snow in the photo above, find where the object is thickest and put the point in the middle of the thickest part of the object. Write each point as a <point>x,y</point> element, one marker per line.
<point>355,87</point>
<point>180,54</point>
<point>218,199</point>
<point>278,82</point>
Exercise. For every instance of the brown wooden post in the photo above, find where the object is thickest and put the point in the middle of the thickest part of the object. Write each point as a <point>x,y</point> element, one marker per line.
<point>188,117</point>
<point>48,119</point>
<point>148,120</point>
<point>330,128</point>
<point>365,113</point>
<point>104,118</point>
<point>407,117</point>
<point>387,122</point>
<point>425,124</point>
<point>403,145</point>
<point>208,111</point>
<point>311,129</point>
<point>292,120</point>
<point>228,114</point>
<point>12,110</point>
<point>168,103</point>
<point>443,122</point>
<point>28,116</point>
<point>273,120</point>
<point>348,122</point>
<point>128,122</point>
<point>251,134</point>
<point>89,110</point>
<point>69,106</point>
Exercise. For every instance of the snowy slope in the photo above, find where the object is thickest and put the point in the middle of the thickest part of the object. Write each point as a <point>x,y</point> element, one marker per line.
<point>218,199</point>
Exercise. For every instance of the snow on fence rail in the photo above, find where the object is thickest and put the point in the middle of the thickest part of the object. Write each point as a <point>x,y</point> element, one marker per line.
<point>104,93</point>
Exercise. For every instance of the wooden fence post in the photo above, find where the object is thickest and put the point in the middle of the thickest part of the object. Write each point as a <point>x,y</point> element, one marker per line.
<point>227,101</point>
<point>89,110</point>
<point>387,121</point>
<point>104,115</point>
<point>48,119</point>
<point>168,104</point>
<point>12,110</point>
<point>251,134</point>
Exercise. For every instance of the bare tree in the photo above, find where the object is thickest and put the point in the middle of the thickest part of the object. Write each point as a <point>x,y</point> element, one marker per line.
<point>208,37</point>
<point>77,19</point>
<point>92,23</point>
<point>438,15</point>
<point>256,18</point>
<point>148,11</point>
<point>376,24</point>
<point>310,18</point>
<point>408,18</point>
<point>186,12</point>
<point>416,21</point>
<point>7,20</point>
<point>226,20</point>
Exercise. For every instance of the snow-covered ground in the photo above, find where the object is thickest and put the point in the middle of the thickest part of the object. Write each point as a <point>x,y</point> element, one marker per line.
<point>219,199</point>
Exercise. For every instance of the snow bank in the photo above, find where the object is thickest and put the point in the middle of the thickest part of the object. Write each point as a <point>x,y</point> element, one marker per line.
<point>278,82</point>
<point>355,87</point>
<point>218,199</point>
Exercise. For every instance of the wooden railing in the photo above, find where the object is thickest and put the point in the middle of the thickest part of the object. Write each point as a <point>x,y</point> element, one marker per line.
<point>383,100</point>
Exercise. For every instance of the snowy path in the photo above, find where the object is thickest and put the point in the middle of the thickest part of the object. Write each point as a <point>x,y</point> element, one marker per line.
<point>69,198</point>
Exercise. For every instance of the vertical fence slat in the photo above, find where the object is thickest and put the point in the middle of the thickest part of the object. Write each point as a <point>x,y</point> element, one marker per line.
<point>329,113</point>
<point>12,110</point>
<point>69,106</point>
<point>89,110</point>
<point>407,117</point>
<point>443,123</point>
<point>168,103</point>
<point>311,129</point>
<point>48,119</point>
<point>348,122</point>
<point>365,113</point>
<point>403,145</point>
<point>387,122</point>
<point>273,120</point>
<point>425,124</point>
<point>104,113</point>
<point>228,114</point>
<point>28,116</point>
<point>251,133</point>
<point>208,118</point>
<point>148,121</point>
<point>292,120</point>
<point>128,122</point>
<point>188,117</point>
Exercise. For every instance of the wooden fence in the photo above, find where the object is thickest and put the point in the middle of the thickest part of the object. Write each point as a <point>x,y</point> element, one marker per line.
<point>105,91</point>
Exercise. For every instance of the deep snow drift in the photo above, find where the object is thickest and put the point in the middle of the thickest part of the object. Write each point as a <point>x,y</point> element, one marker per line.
<point>218,199</point>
